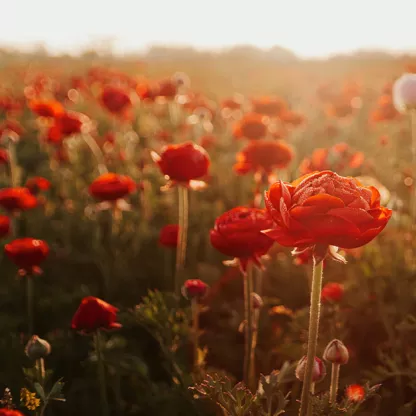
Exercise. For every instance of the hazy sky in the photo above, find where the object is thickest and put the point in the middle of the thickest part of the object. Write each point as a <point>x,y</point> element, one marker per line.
<point>308,27</point>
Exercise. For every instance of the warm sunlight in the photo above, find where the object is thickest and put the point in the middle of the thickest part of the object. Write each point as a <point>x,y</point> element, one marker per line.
<point>314,28</point>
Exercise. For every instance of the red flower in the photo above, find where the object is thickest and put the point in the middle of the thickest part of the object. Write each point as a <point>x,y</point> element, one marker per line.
<point>183,162</point>
<point>27,254</point>
<point>263,156</point>
<point>93,314</point>
<point>111,186</point>
<point>4,226</point>
<point>268,106</point>
<point>37,184</point>
<point>385,110</point>
<point>238,233</point>
<point>332,292</point>
<point>70,123</point>
<point>10,412</point>
<point>168,236</point>
<point>252,126</point>
<point>292,118</point>
<point>167,89</point>
<point>17,199</point>
<point>325,209</point>
<point>355,393</point>
<point>194,288</point>
<point>231,103</point>
<point>4,157</point>
<point>46,108</point>
<point>115,99</point>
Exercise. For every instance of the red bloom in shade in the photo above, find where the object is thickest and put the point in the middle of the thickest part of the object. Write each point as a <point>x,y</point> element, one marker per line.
<point>46,108</point>
<point>238,233</point>
<point>111,186</point>
<point>17,199</point>
<point>4,157</point>
<point>27,254</point>
<point>194,288</point>
<point>168,236</point>
<point>167,88</point>
<point>324,209</point>
<point>252,126</point>
<point>4,226</point>
<point>10,412</point>
<point>183,162</point>
<point>115,99</point>
<point>268,106</point>
<point>94,314</point>
<point>37,184</point>
<point>355,393</point>
<point>263,156</point>
<point>70,123</point>
<point>332,292</point>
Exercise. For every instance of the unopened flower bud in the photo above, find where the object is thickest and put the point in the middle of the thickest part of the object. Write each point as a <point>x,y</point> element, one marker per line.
<point>194,288</point>
<point>256,301</point>
<point>318,371</point>
<point>336,352</point>
<point>37,348</point>
<point>404,93</point>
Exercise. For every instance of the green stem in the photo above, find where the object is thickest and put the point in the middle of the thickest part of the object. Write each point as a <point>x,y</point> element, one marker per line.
<point>101,374</point>
<point>96,151</point>
<point>333,390</point>
<point>248,309</point>
<point>195,333</point>
<point>183,236</point>
<point>29,298</point>
<point>313,334</point>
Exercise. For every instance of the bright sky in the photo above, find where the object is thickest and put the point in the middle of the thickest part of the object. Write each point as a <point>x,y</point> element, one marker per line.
<point>308,27</point>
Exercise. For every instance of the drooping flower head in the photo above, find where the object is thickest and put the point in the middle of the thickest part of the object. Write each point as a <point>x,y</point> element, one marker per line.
<point>111,186</point>
<point>238,233</point>
<point>183,163</point>
<point>93,314</point>
<point>27,254</point>
<point>323,210</point>
<point>17,199</point>
<point>263,156</point>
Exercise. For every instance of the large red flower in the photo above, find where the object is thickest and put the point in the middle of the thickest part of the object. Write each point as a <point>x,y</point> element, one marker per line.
<point>93,314</point>
<point>115,99</point>
<point>183,162</point>
<point>325,209</point>
<point>111,186</point>
<point>27,254</point>
<point>17,199</point>
<point>263,156</point>
<point>238,233</point>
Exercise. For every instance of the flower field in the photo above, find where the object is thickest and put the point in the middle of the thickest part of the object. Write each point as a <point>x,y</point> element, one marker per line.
<point>207,236</point>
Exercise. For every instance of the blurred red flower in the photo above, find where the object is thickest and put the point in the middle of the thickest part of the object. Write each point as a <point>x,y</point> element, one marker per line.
<point>231,103</point>
<point>11,125</point>
<point>325,209</point>
<point>116,100</point>
<point>238,233</point>
<point>268,106</point>
<point>94,314</point>
<point>168,236</point>
<point>27,254</point>
<point>111,186</point>
<point>263,156</point>
<point>355,393</point>
<point>194,288</point>
<point>10,412</point>
<point>167,88</point>
<point>37,184</point>
<point>252,126</point>
<point>183,162</point>
<point>17,199</point>
<point>292,118</point>
<point>46,108</point>
<point>4,157</point>
<point>332,292</point>
<point>4,226</point>
<point>385,110</point>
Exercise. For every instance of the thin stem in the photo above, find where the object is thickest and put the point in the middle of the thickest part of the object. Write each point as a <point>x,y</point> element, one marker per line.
<point>254,325</point>
<point>183,236</point>
<point>96,151</point>
<point>14,179</point>
<point>40,369</point>
<point>248,309</point>
<point>333,390</point>
<point>313,334</point>
<point>195,333</point>
<point>310,404</point>
<point>101,374</point>
<point>29,298</point>
<point>413,147</point>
